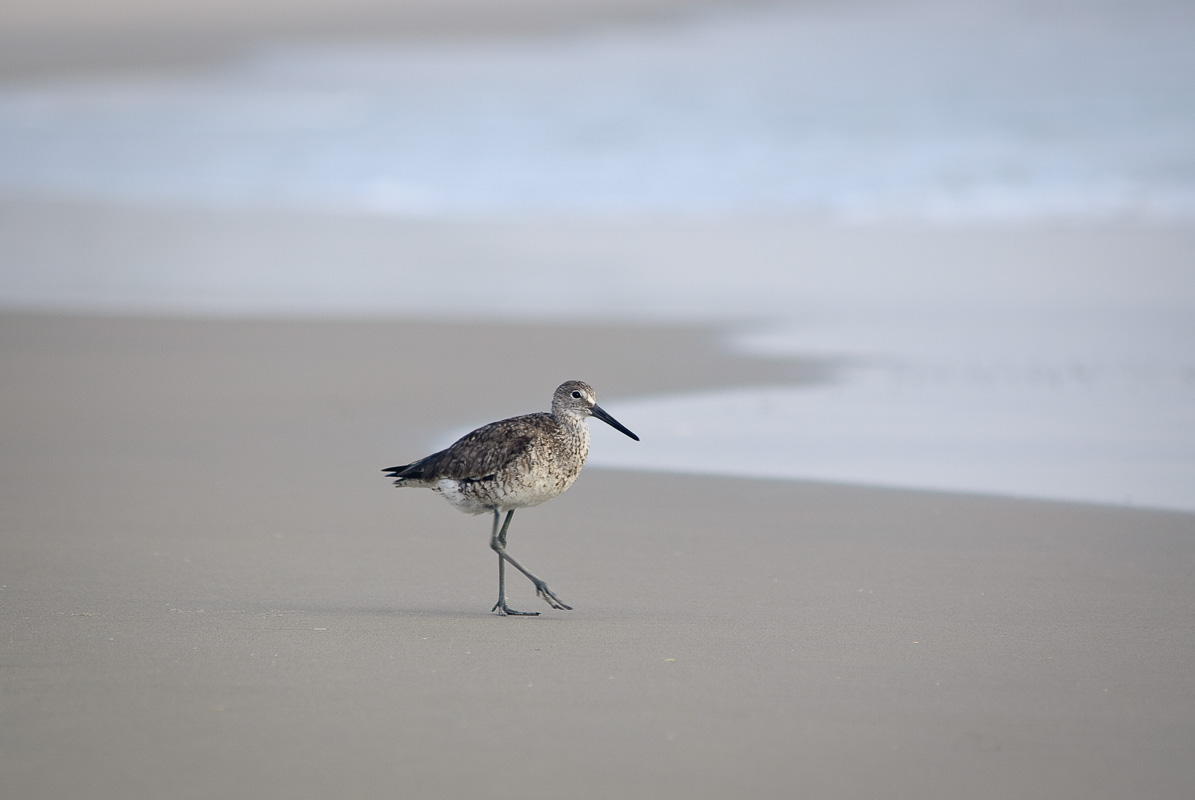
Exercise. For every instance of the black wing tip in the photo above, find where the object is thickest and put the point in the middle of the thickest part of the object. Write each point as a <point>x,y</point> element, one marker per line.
<point>402,473</point>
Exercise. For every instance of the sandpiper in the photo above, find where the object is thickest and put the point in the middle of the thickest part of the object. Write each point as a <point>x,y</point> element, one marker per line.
<point>514,463</point>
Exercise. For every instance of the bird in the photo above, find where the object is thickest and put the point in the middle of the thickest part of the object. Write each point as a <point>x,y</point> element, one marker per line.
<point>514,463</point>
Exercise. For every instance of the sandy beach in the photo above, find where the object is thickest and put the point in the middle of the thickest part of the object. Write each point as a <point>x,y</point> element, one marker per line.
<point>208,589</point>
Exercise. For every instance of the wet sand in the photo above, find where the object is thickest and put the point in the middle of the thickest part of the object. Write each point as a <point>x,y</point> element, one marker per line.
<point>210,590</point>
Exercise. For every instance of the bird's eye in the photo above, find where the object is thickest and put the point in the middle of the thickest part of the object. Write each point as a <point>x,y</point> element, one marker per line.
<point>577,395</point>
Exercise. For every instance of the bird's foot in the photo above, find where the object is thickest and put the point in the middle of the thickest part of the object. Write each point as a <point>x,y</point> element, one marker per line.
<point>503,610</point>
<point>550,597</point>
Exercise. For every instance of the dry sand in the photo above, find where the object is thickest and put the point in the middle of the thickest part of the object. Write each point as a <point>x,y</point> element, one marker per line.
<point>209,590</point>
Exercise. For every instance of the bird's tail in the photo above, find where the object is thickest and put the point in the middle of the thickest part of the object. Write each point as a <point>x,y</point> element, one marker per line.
<point>398,474</point>
<point>406,474</point>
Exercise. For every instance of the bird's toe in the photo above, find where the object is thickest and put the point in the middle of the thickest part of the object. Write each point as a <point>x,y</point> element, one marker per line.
<point>503,610</point>
<point>550,597</point>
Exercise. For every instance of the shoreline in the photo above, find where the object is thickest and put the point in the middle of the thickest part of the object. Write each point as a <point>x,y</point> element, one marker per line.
<point>277,267</point>
<point>868,397</point>
<point>696,354</point>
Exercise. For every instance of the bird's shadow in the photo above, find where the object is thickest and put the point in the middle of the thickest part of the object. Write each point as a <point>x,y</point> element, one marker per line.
<point>316,610</point>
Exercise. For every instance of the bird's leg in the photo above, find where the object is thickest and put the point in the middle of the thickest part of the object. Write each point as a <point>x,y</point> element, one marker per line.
<point>498,543</point>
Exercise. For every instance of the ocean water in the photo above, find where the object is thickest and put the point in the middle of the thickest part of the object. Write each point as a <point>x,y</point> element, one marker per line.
<point>919,109</point>
<point>1075,384</point>
<point>1089,405</point>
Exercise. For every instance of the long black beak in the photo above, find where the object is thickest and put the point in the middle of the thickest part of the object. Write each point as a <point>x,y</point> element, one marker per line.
<point>613,423</point>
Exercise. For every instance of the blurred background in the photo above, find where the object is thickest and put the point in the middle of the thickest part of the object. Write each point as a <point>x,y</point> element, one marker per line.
<point>917,110</point>
<point>980,214</point>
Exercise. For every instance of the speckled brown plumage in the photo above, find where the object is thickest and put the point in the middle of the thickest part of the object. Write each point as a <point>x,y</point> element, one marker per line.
<point>514,463</point>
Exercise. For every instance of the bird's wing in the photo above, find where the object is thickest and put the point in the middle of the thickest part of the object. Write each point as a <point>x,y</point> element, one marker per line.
<point>480,454</point>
